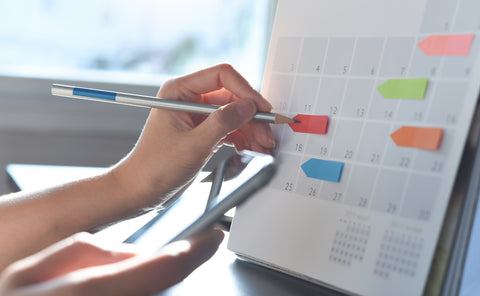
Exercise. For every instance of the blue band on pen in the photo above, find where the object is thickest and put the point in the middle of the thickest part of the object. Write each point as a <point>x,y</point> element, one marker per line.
<point>97,94</point>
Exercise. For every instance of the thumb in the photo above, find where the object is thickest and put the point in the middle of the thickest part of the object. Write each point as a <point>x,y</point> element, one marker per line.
<point>224,121</point>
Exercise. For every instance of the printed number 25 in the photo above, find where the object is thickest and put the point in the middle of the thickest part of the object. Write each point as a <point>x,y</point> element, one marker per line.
<point>288,186</point>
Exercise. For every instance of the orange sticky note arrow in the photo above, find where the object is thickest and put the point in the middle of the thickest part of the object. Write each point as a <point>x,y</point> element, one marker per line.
<point>447,45</point>
<point>311,124</point>
<point>418,137</point>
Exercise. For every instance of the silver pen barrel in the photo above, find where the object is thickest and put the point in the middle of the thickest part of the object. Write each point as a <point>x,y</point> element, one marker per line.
<point>176,105</point>
<point>145,101</point>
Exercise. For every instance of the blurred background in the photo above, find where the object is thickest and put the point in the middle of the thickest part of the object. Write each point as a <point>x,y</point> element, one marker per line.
<point>129,46</point>
<point>144,36</point>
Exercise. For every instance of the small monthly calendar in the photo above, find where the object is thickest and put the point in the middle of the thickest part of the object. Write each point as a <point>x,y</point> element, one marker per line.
<point>384,92</point>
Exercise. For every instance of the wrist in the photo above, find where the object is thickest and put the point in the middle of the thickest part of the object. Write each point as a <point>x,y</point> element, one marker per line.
<point>136,188</point>
<point>130,190</point>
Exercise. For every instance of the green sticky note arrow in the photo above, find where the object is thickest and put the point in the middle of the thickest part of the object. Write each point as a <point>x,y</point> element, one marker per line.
<point>404,88</point>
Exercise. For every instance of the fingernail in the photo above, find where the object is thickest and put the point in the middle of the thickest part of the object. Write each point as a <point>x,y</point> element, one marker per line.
<point>218,234</point>
<point>268,103</point>
<point>246,108</point>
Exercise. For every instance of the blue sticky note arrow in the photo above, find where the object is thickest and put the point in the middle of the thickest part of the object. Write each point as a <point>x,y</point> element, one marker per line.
<point>323,169</point>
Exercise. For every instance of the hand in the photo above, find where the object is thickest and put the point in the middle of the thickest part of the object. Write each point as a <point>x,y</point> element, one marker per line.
<point>79,266</point>
<point>174,146</point>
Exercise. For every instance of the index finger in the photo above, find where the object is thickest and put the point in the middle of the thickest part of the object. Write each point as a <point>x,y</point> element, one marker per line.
<point>215,78</point>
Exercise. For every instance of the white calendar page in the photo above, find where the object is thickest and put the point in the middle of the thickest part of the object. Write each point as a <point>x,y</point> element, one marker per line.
<point>353,208</point>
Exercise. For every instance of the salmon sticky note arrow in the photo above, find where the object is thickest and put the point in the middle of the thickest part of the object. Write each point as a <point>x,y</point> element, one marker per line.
<point>418,137</point>
<point>323,169</point>
<point>447,45</point>
<point>311,124</point>
<point>414,88</point>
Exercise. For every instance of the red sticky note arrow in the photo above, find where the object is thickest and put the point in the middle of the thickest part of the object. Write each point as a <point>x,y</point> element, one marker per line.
<point>447,45</point>
<point>310,124</point>
<point>418,137</point>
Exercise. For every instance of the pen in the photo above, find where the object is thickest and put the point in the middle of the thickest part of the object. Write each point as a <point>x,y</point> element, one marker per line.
<point>153,102</point>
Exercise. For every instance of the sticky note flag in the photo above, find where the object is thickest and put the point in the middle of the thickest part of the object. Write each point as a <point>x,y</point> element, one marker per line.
<point>311,124</point>
<point>418,137</point>
<point>447,45</point>
<point>323,169</point>
<point>413,88</point>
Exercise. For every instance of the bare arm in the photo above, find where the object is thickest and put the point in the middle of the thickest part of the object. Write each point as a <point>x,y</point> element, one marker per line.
<point>172,149</point>
<point>30,221</point>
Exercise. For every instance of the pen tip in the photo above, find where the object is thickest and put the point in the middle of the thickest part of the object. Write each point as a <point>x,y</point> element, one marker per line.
<point>296,121</point>
<point>284,119</point>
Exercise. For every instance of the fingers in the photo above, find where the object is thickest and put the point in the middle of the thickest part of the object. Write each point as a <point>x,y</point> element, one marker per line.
<point>224,96</point>
<point>223,121</point>
<point>77,252</point>
<point>238,140</point>
<point>192,86</point>
<point>125,275</point>
<point>145,276</point>
<point>258,134</point>
<point>254,136</point>
<point>222,85</point>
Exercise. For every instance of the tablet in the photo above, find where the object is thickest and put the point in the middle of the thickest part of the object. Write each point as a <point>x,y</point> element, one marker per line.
<point>207,200</point>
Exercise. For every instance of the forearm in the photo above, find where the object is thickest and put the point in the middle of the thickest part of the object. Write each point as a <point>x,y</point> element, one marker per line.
<point>173,147</point>
<point>30,221</point>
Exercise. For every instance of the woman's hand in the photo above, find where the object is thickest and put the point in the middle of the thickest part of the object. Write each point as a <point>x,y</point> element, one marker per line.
<point>80,266</point>
<point>174,146</point>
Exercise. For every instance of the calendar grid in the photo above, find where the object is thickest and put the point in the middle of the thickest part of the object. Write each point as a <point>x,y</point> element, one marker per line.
<point>375,81</point>
<point>415,153</point>
<point>367,197</point>
<point>340,196</point>
<point>297,62</point>
<point>362,124</point>
<point>339,117</point>
<point>455,15</point>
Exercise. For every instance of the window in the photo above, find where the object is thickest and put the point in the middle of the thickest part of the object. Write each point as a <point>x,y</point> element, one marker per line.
<point>142,37</point>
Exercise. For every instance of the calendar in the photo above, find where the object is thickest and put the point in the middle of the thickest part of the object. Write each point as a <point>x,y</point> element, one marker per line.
<point>385,92</point>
